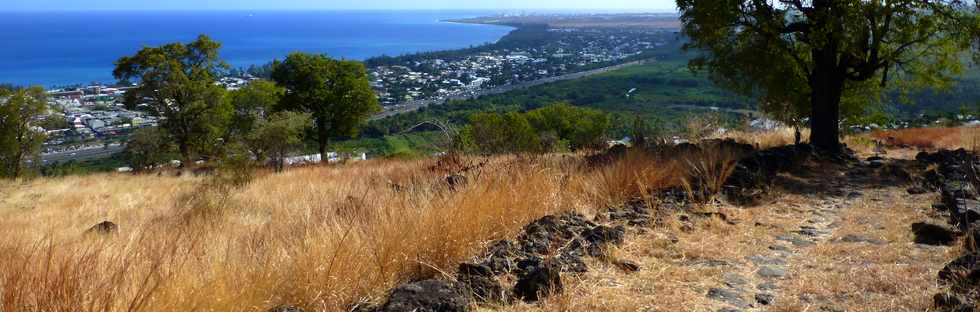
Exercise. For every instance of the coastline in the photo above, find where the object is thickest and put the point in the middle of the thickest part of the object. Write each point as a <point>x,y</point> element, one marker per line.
<point>248,39</point>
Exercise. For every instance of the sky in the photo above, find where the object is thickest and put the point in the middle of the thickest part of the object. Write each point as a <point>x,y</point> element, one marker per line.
<point>606,5</point>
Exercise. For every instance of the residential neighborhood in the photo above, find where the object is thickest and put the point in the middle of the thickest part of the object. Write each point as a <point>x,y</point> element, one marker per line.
<point>435,76</point>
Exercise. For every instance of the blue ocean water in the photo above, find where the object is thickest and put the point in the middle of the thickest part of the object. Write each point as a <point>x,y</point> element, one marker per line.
<point>63,48</point>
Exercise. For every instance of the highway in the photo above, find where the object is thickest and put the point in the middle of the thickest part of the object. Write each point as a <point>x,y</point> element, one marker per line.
<point>82,154</point>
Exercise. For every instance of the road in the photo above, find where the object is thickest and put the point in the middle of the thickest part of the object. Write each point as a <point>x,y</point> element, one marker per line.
<point>416,105</point>
<point>83,154</point>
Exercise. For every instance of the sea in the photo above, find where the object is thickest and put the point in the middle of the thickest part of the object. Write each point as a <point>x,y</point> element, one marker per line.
<point>62,48</point>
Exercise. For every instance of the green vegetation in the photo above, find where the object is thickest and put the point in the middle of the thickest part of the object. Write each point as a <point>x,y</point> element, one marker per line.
<point>148,148</point>
<point>279,135</point>
<point>579,127</point>
<point>251,104</point>
<point>666,94</point>
<point>19,139</point>
<point>262,120</point>
<point>826,59</point>
<point>664,90</point>
<point>336,93</point>
<point>53,122</point>
<point>410,145</point>
<point>179,82</point>
<point>494,133</point>
<point>662,96</point>
<point>557,127</point>
<point>84,167</point>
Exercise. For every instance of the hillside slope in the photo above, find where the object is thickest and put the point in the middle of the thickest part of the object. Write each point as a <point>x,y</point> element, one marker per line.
<point>692,228</point>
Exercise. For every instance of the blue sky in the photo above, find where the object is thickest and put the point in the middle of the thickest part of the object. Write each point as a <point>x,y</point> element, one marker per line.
<point>630,5</point>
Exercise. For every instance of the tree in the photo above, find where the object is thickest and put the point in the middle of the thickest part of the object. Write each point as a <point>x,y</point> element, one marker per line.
<point>54,122</point>
<point>581,127</point>
<point>148,148</point>
<point>20,138</point>
<point>336,93</point>
<point>828,56</point>
<point>178,82</point>
<point>254,102</point>
<point>495,133</point>
<point>279,135</point>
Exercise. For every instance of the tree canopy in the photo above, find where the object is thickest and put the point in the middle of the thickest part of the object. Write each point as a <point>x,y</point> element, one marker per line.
<point>819,59</point>
<point>278,135</point>
<point>336,93</point>
<point>252,103</point>
<point>495,133</point>
<point>555,127</point>
<point>581,127</point>
<point>148,148</point>
<point>177,80</point>
<point>20,138</point>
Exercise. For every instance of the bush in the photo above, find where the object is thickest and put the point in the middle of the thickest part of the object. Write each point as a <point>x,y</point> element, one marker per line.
<point>495,133</point>
<point>236,169</point>
<point>556,127</point>
<point>148,148</point>
<point>581,127</point>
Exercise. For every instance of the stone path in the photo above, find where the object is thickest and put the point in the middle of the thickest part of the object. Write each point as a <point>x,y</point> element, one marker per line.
<point>833,238</point>
<point>756,293</point>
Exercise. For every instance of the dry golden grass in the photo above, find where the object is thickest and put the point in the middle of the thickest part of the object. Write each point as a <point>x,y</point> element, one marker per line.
<point>675,276</point>
<point>320,237</point>
<point>899,276</point>
<point>768,139</point>
<point>326,238</point>
<point>831,276</point>
<point>932,138</point>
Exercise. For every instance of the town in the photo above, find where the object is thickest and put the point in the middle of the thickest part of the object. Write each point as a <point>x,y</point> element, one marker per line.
<point>561,51</point>
<point>91,122</point>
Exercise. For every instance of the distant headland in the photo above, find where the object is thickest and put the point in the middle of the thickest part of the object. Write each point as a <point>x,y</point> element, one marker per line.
<point>618,21</point>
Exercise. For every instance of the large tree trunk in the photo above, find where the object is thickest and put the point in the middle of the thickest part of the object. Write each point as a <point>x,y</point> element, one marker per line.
<point>18,165</point>
<point>185,153</point>
<point>827,87</point>
<point>322,137</point>
<point>825,120</point>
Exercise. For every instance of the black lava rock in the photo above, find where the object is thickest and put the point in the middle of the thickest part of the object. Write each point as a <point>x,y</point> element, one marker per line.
<point>931,234</point>
<point>426,296</point>
<point>286,308</point>
<point>478,281</point>
<point>539,280</point>
<point>104,228</point>
<point>963,274</point>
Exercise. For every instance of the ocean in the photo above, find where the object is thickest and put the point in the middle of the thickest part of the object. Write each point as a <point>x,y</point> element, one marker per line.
<point>77,47</point>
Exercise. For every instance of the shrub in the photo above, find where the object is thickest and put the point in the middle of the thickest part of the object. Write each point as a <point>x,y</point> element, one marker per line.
<point>495,133</point>
<point>581,127</point>
<point>148,148</point>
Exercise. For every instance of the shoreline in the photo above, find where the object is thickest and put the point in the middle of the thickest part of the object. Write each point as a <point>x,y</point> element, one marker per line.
<point>47,71</point>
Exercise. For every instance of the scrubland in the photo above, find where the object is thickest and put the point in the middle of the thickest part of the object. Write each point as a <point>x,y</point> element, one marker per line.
<point>929,138</point>
<point>325,238</point>
<point>332,237</point>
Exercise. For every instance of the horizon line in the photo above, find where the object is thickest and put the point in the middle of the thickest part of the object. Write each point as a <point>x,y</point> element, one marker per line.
<point>530,10</point>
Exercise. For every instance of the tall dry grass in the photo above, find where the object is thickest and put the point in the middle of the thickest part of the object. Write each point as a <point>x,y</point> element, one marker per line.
<point>768,138</point>
<point>324,238</point>
<point>932,138</point>
<point>708,170</point>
